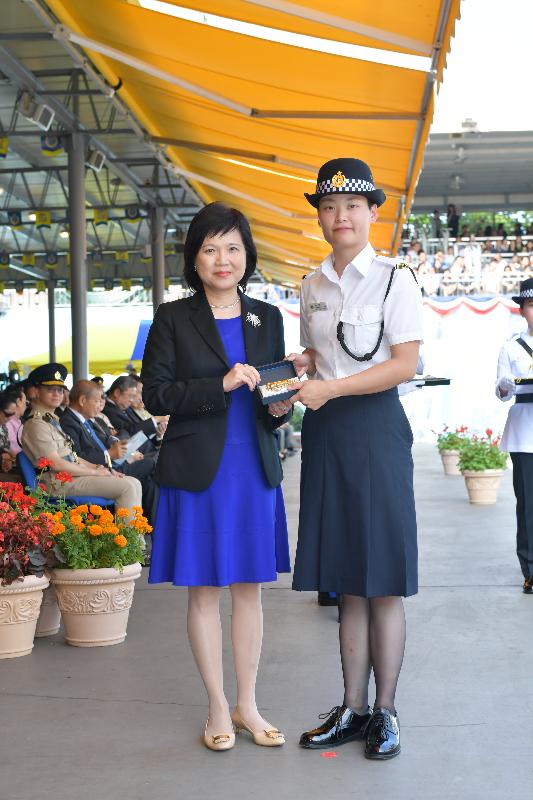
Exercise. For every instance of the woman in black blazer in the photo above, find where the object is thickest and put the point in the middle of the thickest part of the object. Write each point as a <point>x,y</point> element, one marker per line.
<point>220,520</point>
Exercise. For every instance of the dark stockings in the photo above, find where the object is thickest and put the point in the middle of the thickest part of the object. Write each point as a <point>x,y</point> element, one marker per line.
<point>372,635</point>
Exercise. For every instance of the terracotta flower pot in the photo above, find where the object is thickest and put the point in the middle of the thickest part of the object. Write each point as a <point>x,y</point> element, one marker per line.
<point>95,603</point>
<point>50,615</point>
<point>450,460</point>
<point>482,486</point>
<point>19,609</point>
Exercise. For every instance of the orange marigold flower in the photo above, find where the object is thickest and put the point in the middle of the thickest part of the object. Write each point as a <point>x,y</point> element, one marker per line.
<point>121,540</point>
<point>83,509</point>
<point>48,514</point>
<point>76,520</point>
<point>138,509</point>
<point>57,528</point>
<point>95,530</point>
<point>123,512</point>
<point>113,529</point>
<point>58,516</point>
<point>95,509</point>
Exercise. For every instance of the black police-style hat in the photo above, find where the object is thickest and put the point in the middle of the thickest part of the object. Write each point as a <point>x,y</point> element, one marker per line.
<point>348,176</point>
<point>526,292</point>
<point>48,375</point>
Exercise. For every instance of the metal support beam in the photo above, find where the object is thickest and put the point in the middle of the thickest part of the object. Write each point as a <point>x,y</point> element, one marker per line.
<point>78,259</point>
<point>51,320</point>
<point>157,217</point>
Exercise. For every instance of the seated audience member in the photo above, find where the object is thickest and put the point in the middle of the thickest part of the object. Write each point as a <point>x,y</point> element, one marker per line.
<point>491,278</point>
<point>64,403</point>
<point>103,422</point>
<point>43,437</point>
<point>15,400</point>
<point>509,280</point>
<point>448,283</point>
<point>524,264</point>
<point>120,396</point>
<point>7,458</point>
<point>78,422</point>
<point>137,408</point>
<point>430,281</point>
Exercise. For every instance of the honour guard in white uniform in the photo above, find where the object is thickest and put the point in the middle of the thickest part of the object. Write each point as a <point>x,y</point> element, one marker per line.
<point>515,379</point>
<point>361,326</point>
<point>42,437</point>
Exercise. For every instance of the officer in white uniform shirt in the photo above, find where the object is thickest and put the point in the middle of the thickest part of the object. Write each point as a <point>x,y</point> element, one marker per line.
<point>361,326</point>
<point>516,361</point>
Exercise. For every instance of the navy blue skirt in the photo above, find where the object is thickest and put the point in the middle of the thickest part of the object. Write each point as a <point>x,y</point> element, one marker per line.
<point>357,531</point>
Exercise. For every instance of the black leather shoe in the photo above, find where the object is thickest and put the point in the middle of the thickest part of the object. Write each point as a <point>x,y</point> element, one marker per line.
<point>528,585</point>
<point>382,735</point>
<point>341,725</point>
<point>325,599</point>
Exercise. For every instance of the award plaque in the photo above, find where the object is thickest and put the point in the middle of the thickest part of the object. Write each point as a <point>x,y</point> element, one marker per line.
<point>524,381</point>
<point>279,381</point>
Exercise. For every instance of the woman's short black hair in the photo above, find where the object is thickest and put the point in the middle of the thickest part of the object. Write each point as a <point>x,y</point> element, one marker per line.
<point>212,220</point>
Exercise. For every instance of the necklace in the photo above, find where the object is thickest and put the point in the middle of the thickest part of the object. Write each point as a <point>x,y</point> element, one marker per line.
<point>231,305</point>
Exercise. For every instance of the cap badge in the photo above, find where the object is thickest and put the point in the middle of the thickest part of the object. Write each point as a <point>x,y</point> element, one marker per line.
<point>57,375</point>
<point>338,180</point>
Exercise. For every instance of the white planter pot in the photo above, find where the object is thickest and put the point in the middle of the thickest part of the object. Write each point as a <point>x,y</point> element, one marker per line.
<point>19,609</point>
<point>50,615</point>
<point>95,603</point>
<point>482,486</point>
<point>450,460</point>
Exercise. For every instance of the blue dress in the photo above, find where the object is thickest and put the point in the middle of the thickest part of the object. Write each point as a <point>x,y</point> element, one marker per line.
<point>234,531</point>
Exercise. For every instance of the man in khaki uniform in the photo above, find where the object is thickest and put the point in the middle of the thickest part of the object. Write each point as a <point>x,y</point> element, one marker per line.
<point>42,437</point>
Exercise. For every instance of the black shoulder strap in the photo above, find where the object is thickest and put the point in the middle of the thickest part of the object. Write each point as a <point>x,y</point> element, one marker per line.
<point>340,326</point>
<point>525,345</point>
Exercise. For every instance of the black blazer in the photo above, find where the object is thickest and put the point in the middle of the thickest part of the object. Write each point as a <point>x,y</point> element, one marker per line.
<point>183,369</point>
<point>84,445</point>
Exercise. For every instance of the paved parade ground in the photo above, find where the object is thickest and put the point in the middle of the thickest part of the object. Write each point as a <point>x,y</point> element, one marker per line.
<point>126,721</point>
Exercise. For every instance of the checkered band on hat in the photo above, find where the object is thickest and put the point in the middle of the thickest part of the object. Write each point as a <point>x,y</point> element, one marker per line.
<point>349,185</point>
<point>526,293</point>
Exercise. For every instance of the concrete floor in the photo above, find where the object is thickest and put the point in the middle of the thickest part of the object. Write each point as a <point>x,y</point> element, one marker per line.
<point>125,721</point>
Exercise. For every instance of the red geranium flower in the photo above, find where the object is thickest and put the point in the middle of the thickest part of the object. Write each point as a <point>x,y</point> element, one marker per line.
<point>44,463</point>
<point>64,477</point>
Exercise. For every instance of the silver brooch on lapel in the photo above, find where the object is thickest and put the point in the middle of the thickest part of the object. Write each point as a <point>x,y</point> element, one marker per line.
<point>253,319</point>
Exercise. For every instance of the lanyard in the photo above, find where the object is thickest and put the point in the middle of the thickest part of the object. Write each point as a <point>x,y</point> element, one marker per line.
<point>340,326</point>
<point>525,345</point>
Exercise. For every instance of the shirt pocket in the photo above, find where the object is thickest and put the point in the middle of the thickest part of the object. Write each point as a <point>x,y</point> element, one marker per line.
<point>361,327</point>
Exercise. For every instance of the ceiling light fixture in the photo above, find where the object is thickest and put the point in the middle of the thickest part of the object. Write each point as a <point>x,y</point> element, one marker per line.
<point>38,113</point>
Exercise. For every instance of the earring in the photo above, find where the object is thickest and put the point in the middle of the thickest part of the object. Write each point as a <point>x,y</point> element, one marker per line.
<point>195,268</point>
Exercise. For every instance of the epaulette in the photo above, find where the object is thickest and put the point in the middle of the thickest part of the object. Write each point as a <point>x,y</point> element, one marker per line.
<point>386,260</point>
<point>310,274</point>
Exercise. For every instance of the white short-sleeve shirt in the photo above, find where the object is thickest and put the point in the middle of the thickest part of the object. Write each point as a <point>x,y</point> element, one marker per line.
<point>356,299</point>
<point>515,362</point>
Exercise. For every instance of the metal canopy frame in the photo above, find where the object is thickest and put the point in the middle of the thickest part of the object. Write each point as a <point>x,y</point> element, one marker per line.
<point>88,115</point>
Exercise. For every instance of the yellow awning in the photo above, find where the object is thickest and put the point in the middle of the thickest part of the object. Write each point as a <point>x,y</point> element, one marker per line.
<point>249,120</point>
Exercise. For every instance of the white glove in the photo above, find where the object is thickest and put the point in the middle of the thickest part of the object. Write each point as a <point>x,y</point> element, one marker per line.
<point>508,386</point>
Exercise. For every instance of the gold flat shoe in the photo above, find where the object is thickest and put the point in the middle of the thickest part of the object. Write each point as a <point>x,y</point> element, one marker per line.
<point>222,741</point>
<point>266,738</point>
